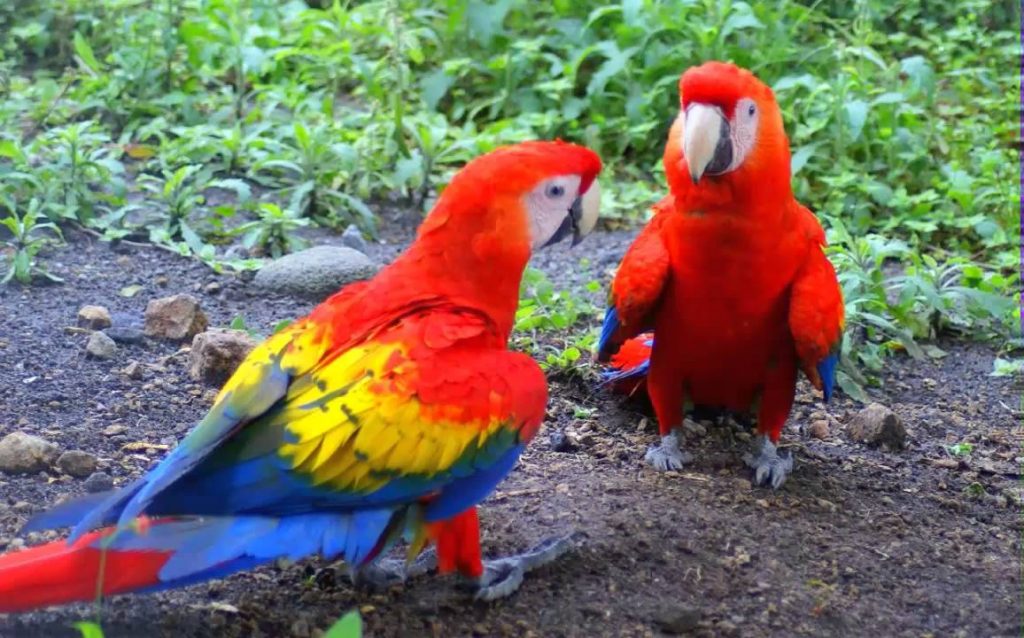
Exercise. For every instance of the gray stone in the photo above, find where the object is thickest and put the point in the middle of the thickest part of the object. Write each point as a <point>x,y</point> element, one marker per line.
<point>174,318</point>
<point>77,463</point>
<point>676,621</point>
<point>125,334</point>
<point>353,238</point>
<point>216,354</point>
<point>98,482</point>
<point>316,272</point>
<point>100,346</point>
<point>22,453</point>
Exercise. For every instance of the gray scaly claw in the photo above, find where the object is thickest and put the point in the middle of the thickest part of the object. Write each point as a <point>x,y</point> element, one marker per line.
<point>388,572</point>
<point>770,467</point>
<point>667,455</point>
<point>504,576</point>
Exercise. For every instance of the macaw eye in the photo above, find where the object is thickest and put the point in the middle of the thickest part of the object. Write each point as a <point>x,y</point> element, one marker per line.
<point>554,191</point>
<point>751,110</point>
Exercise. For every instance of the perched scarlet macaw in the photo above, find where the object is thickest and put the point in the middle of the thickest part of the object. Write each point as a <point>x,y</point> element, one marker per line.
<point>392,409</point>
<point>730,274</point>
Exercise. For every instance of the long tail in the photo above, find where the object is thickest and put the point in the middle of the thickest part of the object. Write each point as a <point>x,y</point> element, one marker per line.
<point>166,553</point>
<point>627,369</point>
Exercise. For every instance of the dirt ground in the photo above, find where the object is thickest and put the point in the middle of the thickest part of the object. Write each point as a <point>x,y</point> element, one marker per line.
<point>859,541</point>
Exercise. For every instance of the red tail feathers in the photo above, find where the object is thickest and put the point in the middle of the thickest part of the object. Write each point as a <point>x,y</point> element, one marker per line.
<point>633,357</point>
<point>58,573</point>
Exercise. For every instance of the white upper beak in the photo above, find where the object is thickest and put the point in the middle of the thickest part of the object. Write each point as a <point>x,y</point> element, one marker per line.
<point>702,129</point>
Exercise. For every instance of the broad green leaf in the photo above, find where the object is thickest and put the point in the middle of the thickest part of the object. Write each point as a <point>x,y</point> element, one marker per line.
<point>348,626</point>
<point>84,53</point>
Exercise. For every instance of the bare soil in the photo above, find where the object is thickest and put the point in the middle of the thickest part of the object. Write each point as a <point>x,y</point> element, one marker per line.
<point>859,541</point>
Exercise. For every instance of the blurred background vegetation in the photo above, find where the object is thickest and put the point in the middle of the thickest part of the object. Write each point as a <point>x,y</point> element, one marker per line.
<point>192,124</point>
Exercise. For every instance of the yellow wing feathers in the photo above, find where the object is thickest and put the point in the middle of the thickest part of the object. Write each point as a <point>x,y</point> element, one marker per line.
<point>351,433</point>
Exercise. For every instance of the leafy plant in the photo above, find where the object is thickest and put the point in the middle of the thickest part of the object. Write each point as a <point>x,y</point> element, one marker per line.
<point>545,316</point>
<point>273,230</point>
<point>28,237</point>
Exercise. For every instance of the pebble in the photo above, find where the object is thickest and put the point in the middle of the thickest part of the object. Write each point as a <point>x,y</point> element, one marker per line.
<point>560,442</point>
<point>877,425</point>
<point>77,463</point>
<point>353,238</point>
<point>216,353</point>
<point>677,620</point>
<point>174,318</point>
<point>818,429</point>
<point>93,317</point>
<point>101,346</point>
<point>98,482</point>
<point>22,453</point>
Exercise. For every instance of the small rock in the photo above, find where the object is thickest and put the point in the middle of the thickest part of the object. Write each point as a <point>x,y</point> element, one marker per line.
<point>77,463</point>
<point>133,371</point>
<point>100,346</point>
<point>98,482</point>
<point>114,430</point>
<point>22,453</point>
<point>125,334</point>
<point>216,354</point>
<point>819,429</point>
<point>175,318</point>
<point>94,317</point>
<point>315,272</point>
<point>677,620</point>
<point>353,238</point>
<point>694,428</point>
<point>878,425</point>
<point>212,288</point>
<point>560,442</point>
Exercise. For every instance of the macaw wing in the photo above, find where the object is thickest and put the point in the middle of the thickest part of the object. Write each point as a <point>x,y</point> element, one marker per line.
<point>816,312</point>
<point>637,288</point>
<point>419,410</point>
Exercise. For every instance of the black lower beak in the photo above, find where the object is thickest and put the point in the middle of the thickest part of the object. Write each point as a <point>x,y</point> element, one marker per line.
<point>722,158</point>
<point>569,225</point>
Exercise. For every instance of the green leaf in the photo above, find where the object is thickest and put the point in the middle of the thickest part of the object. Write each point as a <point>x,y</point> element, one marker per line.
<point>348,626</point>
<point>130,291</point>
<point>84,54</point>
<point>856,115</point>
<point>88,629</point>
<point>801,156</point>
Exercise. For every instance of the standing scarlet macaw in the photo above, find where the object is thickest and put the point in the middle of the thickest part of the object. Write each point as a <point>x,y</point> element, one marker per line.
<point>394,407</point>
<point>730,274</point>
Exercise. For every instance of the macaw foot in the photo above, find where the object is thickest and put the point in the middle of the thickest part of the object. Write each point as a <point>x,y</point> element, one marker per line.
<point>388,572</point>
<point>770,467</point>
<point>503,576</point>
<point>667,455</point>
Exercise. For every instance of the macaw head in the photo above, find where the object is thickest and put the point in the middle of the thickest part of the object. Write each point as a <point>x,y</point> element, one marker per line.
<point>728,141</point>
<point>519,198</point>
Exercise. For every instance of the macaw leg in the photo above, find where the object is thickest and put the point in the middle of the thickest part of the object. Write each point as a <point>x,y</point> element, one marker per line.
<point>770,467</point>
<point>388,572</point>
<point>667,399</point>
<point>503,576</point>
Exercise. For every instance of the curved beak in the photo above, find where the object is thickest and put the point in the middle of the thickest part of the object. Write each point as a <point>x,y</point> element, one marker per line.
<point>707,145</point>
<point>581,218</point>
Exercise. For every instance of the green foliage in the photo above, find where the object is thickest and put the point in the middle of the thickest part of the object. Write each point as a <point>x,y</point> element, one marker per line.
<point>273,230</point>
<point>198,123</point>
<point>550,323</point>
<point>27,238</point>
